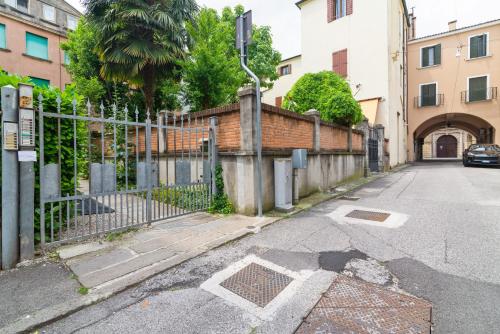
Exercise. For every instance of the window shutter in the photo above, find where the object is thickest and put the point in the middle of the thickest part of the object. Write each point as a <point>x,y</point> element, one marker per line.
<point>331,10</point>
<point>278,101</point>
<point>336,62</point>
<point>3,39</point>
<point>425,57</point>
<point>349,7</point>
<point>340,63</point>
<point>437,55</point>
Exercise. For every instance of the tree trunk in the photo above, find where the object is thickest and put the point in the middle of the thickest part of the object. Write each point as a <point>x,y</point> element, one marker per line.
<point>149,87</point>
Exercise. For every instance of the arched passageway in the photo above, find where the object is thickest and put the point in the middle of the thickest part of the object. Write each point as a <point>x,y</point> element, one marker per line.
<point>480,129</point>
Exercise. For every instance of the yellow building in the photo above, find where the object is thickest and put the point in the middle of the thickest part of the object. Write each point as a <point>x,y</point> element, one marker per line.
<point>453,80</point>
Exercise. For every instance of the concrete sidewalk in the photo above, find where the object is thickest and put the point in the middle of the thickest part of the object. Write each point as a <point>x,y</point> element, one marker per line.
<point>91,272</point>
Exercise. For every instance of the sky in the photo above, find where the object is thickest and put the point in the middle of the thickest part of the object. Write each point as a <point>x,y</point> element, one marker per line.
<point>284,17</point>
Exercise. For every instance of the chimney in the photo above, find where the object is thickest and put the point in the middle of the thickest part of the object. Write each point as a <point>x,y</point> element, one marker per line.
<point>452,25</point>
<point>413,24</point>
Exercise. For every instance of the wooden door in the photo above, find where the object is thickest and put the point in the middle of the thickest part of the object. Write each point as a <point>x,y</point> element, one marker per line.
<point>447,147</point>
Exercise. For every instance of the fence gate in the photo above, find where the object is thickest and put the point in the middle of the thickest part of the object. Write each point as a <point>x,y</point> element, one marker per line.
<point>373,150</point>
<point>104,170</point>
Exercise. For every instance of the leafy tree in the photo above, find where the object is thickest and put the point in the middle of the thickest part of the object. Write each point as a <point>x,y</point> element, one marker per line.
<point>140,41</point>
<point>212,72</point>
<point>328,93</point>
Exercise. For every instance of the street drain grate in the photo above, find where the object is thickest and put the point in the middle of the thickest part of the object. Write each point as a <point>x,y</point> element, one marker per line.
<point>257,284</point>
<point>369,215</point>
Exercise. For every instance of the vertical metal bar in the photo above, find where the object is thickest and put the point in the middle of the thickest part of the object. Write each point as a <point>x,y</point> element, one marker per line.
<point>75,163</point>
<point>182,138</point>
<point>126,161</point>
<point>51,222</point>
<point>68,217</point>
<point>175,149</point>
<point>137,195</point>
<point>148,168</point>
<point>102,162</point>
<point>89,158</point>
<point>115,147</point>
<point>59,155</point>
<point>158,179</point>
<point>42,166</point>
<point>196,148</point>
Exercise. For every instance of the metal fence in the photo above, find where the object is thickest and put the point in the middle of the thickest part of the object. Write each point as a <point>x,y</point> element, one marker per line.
<point>117,172</point>
<point>373,147</point>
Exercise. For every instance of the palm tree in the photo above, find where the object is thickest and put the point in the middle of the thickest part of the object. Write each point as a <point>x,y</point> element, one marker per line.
<point>141,41</point>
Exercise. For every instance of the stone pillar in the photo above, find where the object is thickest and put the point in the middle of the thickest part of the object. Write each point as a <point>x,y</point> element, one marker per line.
<point>381,141</point>
<point>248,111</point>
<point>246,160</point>
<point>317,128</point>
<point>365,127</point>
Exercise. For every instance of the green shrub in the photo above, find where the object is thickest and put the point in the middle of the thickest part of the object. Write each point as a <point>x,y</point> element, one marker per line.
<point>328,93</point>
<point>220,201</point>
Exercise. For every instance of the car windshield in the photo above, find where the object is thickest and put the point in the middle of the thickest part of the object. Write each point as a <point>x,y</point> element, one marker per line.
<point>483,148</point>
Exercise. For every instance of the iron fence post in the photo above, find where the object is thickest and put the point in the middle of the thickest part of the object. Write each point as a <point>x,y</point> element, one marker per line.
<point>148,169</point>
<point>213,153</point>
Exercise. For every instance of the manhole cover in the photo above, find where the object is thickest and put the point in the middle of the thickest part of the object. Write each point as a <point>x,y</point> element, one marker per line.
<point>257,284</point>
<point>353,306</point>
<point>369,215</point>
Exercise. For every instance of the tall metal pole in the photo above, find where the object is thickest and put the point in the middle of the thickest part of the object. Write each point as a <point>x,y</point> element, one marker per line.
<point>258,125</point>
<point>10,184</point>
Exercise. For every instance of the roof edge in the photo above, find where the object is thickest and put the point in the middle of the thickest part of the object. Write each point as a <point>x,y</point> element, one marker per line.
<point>456,31</point>
<point>290,58</point>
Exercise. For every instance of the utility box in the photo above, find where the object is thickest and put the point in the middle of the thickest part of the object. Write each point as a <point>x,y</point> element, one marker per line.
<point>299,159</point>
<point>283,184</point>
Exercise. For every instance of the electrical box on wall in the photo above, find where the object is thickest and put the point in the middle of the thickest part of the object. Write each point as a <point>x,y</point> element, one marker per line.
<point>299,159</point>
<point>283,184</point>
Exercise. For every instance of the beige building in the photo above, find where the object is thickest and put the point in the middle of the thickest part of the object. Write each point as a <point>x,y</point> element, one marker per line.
<point>364,41</point>
<point>453,80</point>
<point>31,32</point>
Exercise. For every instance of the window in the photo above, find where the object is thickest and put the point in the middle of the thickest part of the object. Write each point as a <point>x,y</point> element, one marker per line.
<point>431,56</point>
<point>3,37</point>
<point>428,95</point>
<point>72,22</point>
<point>478,89</point>
<point>19,4</point>
<point>37,46</point>
<point>285,70</point>
<point>340,63</point>
<point>338,9</point>
<point>66,60</point>
<point>478,46</point>
<point>40,82</point>
<point>49,13</point>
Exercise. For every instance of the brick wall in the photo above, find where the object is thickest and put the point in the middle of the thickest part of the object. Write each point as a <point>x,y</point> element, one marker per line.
<point>282,129</point>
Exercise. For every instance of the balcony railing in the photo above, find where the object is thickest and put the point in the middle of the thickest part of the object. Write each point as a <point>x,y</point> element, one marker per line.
<point>429,101</point>
<point>477,95</point>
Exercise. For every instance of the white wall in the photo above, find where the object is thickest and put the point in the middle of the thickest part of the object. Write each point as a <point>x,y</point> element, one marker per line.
<point>285,83</point>
<point>371,36</point>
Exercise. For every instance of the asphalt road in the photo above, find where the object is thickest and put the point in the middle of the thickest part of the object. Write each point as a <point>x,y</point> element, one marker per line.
<point>447,251</point>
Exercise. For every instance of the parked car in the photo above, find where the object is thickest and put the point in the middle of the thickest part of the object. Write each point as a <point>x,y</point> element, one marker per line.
<point>482,154</point>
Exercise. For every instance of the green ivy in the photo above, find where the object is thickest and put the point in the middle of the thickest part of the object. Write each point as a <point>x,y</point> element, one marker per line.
<point>50,95</point>
<point>220,201</point>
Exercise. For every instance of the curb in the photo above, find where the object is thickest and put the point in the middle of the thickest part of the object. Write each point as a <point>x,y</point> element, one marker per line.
<point>105,291</point>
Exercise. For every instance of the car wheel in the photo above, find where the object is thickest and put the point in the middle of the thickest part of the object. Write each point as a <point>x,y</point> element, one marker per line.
<point>466,164</point>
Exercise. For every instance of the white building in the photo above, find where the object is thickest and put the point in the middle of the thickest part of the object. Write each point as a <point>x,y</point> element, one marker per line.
<point>365,41</point>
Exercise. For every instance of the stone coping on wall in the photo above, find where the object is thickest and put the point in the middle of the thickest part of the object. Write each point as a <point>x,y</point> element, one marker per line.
<point>288,153</point>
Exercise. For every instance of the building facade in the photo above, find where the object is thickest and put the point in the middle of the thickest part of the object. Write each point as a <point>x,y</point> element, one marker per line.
<point>453,80</point>
<point>31,32</point>
<point>364,41</point>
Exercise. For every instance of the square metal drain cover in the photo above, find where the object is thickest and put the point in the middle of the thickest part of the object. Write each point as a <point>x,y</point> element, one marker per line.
<point>257,284</point>
<point>369,215</point>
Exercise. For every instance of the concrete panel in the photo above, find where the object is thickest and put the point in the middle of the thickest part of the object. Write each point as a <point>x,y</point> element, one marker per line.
<point>51,185</point>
